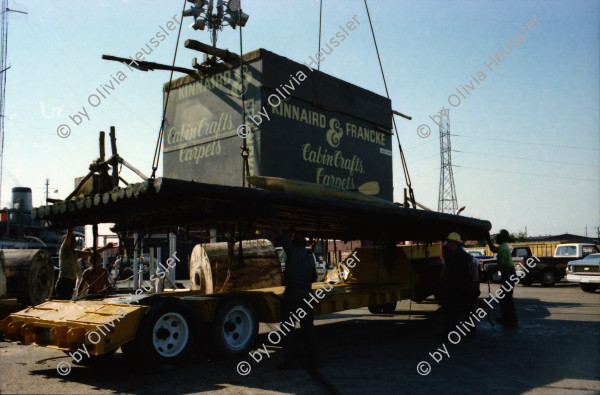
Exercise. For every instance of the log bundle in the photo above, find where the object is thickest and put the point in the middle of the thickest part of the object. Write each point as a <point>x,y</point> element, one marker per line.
<point>29,275</point>
<point>216,267</point>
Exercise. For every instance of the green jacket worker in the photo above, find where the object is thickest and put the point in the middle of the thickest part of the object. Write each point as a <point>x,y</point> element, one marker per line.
<point>507,268</point>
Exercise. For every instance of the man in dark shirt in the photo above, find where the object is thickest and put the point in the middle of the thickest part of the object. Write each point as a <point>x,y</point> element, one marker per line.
<point>458,277</point>
<point>300,273</point>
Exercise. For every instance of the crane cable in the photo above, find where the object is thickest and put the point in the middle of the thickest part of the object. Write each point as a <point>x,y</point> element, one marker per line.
<point>156,158</point>
<point>319,48</point>
<point>403,159</point>
<point>245,150</point>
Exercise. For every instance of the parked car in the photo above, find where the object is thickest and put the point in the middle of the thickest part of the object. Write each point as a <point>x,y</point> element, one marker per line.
<point>547,270</point>
<point>550,270</point>
<point>586,272</point>
<point>476,252</point>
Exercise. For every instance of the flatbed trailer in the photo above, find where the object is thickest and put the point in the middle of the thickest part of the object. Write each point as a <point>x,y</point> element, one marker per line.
<point>171,326</point>
<point>224,324</point>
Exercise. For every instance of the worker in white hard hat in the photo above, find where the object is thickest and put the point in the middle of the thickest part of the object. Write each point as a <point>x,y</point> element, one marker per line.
<point>458,276</point>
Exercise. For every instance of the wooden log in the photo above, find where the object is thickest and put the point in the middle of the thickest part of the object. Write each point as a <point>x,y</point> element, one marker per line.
<point>2,276</point>
<point>213,271</point>
<point>29,275</point>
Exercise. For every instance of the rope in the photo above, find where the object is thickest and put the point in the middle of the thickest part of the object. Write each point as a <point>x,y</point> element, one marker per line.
<point>156,158</point>
<point>402,158</point>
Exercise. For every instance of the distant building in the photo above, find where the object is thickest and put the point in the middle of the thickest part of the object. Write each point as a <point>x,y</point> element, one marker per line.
<point>565,238</point>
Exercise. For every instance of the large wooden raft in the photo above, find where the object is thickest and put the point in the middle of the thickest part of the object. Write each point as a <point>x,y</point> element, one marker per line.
<point>168,202</point>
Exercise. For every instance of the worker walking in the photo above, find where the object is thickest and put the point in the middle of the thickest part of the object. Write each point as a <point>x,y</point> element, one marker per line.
<point>507,268</point>
<point>300,273</point>
<point>459,277</point>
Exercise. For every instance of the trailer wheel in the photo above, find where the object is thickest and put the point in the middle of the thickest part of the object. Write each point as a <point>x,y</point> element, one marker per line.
<point>375,309</point>
<point>234,328</point>
<point>386,308</point>
<point>527,281</point>
<point>548,278</point>
<point>588,287</point>
<point>167,333</point>
<point>495,276</point>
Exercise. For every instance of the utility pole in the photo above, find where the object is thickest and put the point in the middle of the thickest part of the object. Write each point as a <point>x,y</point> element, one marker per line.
<point>47,184</point>
<point>447,198</point>
<point>3,69</point>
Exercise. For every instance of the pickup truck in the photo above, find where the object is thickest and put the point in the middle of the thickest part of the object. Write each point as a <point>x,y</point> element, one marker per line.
<point>586,272</point>
<point>487,264</point>
<point>547,270</point>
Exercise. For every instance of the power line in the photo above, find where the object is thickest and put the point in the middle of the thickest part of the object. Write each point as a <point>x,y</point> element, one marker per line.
<point>527,142</point>
<point>529,174</point>
<point>417,145</point>
<point>518,157</point>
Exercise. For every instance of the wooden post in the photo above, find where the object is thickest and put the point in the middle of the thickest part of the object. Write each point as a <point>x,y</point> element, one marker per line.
<point>115,157</point>
<point>136,262</point>
<point>101,143</point>
<point>160,285</point>
<point>104,254</point>
<point>95,236</point>
<point>151,268</point>
<point>173,254</point>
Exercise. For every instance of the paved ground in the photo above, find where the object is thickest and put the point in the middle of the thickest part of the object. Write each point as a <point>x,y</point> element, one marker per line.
<point>555,350</point>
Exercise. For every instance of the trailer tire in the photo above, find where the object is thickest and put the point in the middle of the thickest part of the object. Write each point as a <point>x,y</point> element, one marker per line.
<point>167,333</point>
<point>527,281</point>
<point>495,276</point>
<point>375,309</point>
<point>591,288</point>
<point>548,278</point>
<point>385,308</point>
<point>388,308</point>
<point>234,329</point>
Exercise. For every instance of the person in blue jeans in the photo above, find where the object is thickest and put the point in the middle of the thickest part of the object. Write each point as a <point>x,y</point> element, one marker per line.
<point>507,268</point>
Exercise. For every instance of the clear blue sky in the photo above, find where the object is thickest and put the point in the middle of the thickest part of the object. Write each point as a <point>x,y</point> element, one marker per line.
<point>529,134</point>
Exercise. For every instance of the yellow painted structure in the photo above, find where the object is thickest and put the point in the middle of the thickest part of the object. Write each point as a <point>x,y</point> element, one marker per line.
<point>104,325</point>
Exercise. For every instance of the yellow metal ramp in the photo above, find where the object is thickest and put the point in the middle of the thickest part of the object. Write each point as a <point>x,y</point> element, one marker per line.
<point>103,325</point>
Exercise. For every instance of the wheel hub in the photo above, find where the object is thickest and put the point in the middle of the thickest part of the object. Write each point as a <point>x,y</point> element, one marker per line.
<point>170,335</point>
<point>237,328</point>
